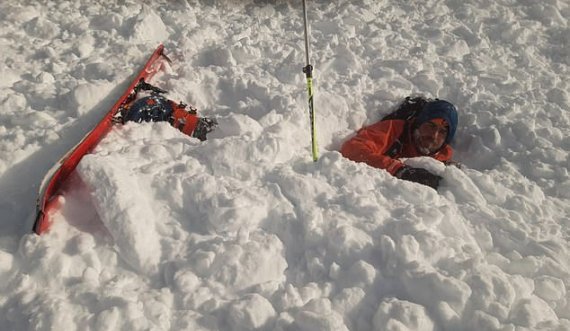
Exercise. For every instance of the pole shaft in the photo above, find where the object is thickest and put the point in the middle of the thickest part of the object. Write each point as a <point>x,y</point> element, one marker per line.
<point>306,25</point>
<point>314,148</point>
<point>308,70</point>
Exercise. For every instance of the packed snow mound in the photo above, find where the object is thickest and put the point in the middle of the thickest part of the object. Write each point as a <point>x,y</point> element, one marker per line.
<point>160,231</point>
<point>147,27</point>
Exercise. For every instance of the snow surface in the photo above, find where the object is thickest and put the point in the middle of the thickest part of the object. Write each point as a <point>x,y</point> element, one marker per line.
<point>159,231</point>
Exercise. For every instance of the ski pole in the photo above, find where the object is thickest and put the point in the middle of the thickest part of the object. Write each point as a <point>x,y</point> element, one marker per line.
<point>308,70</point>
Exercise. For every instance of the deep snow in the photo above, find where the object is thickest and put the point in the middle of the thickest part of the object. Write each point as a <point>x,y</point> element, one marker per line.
<point>159,231</point>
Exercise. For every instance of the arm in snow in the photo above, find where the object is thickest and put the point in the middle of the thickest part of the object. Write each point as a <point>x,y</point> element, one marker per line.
<point>371,143</point>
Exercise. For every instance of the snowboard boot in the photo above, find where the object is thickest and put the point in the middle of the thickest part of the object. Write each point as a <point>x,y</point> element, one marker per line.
<point>205,125</point>
<point>184,118</point>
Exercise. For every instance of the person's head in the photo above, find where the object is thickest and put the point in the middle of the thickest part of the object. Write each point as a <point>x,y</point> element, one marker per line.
<point>435,126</point>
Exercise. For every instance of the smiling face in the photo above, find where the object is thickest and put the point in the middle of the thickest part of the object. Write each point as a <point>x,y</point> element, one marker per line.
<point>431,135</point>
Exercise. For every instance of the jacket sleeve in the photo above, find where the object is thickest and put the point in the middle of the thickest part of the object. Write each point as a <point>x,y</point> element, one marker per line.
<point>370,144</point>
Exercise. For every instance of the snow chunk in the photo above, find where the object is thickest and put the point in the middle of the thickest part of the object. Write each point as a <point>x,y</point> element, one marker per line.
<point>19,14</point>
<point>348,299</point>
<point>6,261</point>
<point>483,321</point>
<point>86,96</point>
<point>9,77</point>
<point>45,78</point>
<point>229,210</point>
<point>347,241</point>
<point>41,28</point>
<point>108,319</point>
<point>239,266</point>
<point>185,280</point>
<point>317,315</point>
<point>250,313</point>
<point>394,314</point>
<point>563,189</point>
<point>360,274</point>
<point>496,292</point>
<point>532,311</point>
<point>427,286</point>
<point>122,203</point>
<point>458,50</point>
<point>148,27</point>
<point>217,56</point>
<point>106,22</point>
<point>85,46</point>
<point>549,288</point>
<point>238,125</point>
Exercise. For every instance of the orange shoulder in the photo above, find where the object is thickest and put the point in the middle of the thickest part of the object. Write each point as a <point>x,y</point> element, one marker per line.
<point>445,154</point>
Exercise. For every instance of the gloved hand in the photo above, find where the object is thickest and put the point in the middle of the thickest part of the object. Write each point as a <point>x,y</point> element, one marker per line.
<point>419,175</point>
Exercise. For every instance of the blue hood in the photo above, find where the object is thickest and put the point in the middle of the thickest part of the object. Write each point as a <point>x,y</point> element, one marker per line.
<point>439,109</point>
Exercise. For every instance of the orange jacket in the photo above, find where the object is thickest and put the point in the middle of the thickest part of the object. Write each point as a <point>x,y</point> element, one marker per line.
<point>372,143</point>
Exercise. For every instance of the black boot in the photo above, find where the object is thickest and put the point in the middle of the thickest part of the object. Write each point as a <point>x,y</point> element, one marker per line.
<point>205,125</point>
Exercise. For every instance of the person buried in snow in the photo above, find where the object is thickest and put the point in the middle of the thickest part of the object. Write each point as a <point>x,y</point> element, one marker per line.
<point>419,127</point>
